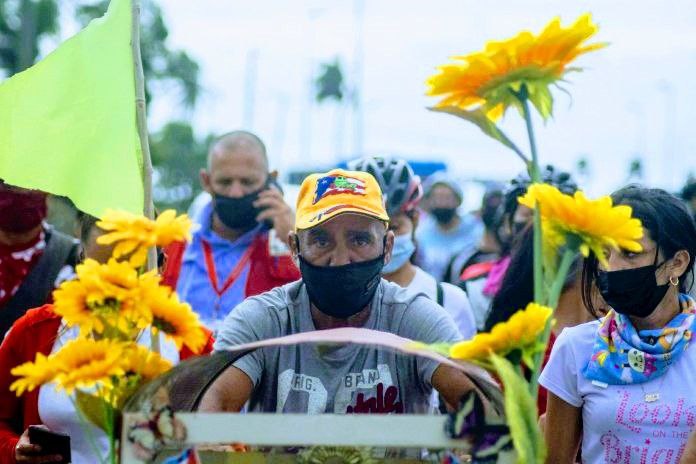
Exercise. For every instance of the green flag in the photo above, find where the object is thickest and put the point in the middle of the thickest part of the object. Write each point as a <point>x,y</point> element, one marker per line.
<point>68,124</point>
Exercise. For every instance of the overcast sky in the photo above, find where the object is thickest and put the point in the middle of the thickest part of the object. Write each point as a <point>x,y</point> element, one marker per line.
<point>635,98</point>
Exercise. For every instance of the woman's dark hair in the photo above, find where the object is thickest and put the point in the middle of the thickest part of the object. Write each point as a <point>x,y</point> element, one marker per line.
<point>517,288</point>
<point>518,186</point>
<point>667,221</point>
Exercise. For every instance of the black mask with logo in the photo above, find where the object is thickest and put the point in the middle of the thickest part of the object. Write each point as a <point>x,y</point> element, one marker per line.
<point>632,292</point>
<point>342,291</point>
<point>238,213</point>
<point>443,215</point>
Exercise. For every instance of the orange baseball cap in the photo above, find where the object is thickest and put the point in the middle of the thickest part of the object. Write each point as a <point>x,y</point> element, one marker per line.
<point>326,195</point>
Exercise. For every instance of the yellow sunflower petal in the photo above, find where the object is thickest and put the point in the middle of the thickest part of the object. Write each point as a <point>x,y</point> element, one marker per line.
<point>521,332</point>
<point>485,78</point>
<point>597,223</point>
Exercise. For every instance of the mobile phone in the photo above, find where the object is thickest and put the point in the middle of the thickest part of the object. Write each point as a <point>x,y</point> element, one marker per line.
<point>51,442</point>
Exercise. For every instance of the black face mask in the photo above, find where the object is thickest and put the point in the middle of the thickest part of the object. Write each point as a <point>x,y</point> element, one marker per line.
<point>342,291</point>
<point>632,292</point>
<point>238,213</point>
<point>443,215</point>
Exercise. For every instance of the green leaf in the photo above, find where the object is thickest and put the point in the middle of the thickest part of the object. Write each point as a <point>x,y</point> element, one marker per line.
<point>521,413</point>
<point>541,98</point>
<point>94,409</point>
<point>478,118</point>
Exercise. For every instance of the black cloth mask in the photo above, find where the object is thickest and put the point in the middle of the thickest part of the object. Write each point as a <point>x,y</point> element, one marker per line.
<point>443,215</point>
<point>632,292</point>
<point>238,213</point>
<point>342,291</point>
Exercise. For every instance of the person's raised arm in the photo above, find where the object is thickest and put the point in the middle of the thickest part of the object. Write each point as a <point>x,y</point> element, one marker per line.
<point>563,428</point>
<point>228,393</point>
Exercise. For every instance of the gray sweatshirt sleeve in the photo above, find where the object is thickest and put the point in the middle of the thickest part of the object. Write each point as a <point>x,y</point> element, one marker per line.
<point>427,322</point>
<point>250,321</point>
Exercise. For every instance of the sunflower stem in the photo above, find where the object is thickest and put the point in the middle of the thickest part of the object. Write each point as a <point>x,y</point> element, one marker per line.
<point>86,430</point>
<point>523,96</point>
<point>561,274</point>
<point>539,293</point>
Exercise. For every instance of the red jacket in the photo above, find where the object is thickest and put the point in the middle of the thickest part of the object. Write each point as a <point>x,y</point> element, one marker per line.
<point>33,333</point>
<point>266,272</point>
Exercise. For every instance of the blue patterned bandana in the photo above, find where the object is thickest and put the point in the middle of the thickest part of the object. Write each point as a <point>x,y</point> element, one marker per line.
<point>622,355</point>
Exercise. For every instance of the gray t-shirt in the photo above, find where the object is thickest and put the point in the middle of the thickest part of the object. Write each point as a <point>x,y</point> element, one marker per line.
<point>317,379</point>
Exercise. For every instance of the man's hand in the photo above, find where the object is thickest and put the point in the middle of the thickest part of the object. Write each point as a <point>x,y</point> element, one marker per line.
<point>452,384</point>
<point>25,452</point>
<point>275,209</point>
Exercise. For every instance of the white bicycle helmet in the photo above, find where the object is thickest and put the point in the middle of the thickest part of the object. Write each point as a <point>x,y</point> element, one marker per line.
<point>401,188</point>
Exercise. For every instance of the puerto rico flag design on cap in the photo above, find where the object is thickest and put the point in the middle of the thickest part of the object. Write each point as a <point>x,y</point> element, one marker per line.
<point>334,185</point>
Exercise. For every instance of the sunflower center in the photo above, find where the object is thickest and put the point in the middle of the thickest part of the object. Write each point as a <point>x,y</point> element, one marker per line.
<point>164,325</point>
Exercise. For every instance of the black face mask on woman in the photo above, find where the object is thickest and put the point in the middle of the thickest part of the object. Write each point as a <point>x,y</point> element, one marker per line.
<point>632,292</point>
<point>238,213</point>
<point>342,291</point>
<point>443,215</point>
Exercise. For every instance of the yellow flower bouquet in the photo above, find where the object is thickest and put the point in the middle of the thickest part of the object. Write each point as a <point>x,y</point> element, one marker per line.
<point>480,88</point>
<point>113,304</point>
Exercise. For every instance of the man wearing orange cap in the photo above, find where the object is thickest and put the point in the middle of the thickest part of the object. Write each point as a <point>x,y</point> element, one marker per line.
<point>341,242</point>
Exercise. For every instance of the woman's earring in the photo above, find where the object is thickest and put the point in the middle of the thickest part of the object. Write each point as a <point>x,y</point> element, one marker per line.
<point>674,280</point>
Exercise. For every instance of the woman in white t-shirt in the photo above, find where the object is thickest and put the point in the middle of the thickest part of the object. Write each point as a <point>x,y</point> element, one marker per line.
<point>624,385</point>
<point>402,191</point>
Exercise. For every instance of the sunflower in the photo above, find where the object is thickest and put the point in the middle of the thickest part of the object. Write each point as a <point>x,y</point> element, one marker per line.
<point>487,80</point>
<point>134,234</point>
<point>80,363</point>
<point>86,362</point>
<point>33,374</point>
<point>138,360</point>
<point>594,224</point>
<point>174,318</point>
<point>520,332</point>
<point>102,293</point>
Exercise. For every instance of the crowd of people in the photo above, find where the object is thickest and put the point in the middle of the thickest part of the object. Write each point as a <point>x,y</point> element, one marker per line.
<point>375,246</point>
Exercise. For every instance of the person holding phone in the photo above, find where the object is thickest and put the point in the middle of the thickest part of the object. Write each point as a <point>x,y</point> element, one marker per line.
<point>240,249</point>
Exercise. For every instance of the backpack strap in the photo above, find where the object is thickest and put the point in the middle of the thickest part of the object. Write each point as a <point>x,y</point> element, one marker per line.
<point>440,298</point>
<point>40,281</point>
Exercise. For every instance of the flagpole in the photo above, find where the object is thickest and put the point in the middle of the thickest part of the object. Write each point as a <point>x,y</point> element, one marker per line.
<point>141,116</point>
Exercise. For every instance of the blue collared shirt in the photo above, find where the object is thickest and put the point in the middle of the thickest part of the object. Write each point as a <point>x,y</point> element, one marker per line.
<point>194,285</point>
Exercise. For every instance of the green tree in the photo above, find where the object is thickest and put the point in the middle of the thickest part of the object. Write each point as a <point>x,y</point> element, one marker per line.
<point>23,24</point>
<point>178,157</point>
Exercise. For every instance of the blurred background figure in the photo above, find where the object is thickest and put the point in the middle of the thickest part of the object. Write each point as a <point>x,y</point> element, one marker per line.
<point>484,276</point>
<point>34,258</point>
<point>240,249</point>
<point>490,247</point>
<point>445,231</point>
<point>402,192</point>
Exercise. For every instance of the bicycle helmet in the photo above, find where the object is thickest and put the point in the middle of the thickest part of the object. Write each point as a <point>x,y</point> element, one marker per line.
<point>519,185</point>
<point>401,188</point>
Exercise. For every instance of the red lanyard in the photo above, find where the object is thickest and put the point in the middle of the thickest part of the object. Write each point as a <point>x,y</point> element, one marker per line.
<point>212,272</point>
